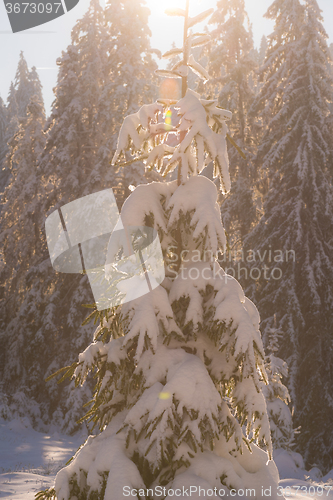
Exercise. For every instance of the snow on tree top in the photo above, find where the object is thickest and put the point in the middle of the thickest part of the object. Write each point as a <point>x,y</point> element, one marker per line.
<point>139,131</point>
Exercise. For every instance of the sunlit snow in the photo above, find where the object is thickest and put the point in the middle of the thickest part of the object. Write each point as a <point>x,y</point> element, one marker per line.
<point>29,461</point>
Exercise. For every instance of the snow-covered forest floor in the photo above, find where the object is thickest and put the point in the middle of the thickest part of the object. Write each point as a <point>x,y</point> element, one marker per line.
<point>29,461</point>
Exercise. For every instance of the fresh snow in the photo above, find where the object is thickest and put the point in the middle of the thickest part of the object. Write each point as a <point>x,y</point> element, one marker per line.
<point>29,461</point>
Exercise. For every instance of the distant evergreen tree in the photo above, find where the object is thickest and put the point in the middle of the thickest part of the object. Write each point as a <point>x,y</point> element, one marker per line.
<point>20,224</point>
<point>277,395</point>
<point>73,127</point>
<point>232,66</point>
<point>296,231</point>
<point>330,70</point>
<point>66,164</point>
<point>22,86</point>
<point>281,52</point>
<point>91,92</point>
<point>3,147</point>
<point>20,240</point>
<point>262,50</point>
<point>12,108</point>
<point>35,84</point>
<point>3,121</point>
<point>26,85</point>
<point>129,81</point>
<point>130,54</point>
<point>12,124</point>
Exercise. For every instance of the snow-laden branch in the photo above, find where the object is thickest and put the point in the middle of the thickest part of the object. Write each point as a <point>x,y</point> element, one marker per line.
<point>199,146</point>
<point>135,129</point>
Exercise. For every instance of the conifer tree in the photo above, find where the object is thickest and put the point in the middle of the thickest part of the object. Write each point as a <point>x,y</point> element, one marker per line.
<point>12,113</point>
<point>3,120</point>
<point>296,229</point>
<point>11,102</point>
<point>66,163</point>
<point>35,84</point>
<point>26,85</point>
<point>330,70</point>
<point>278,403</point>
<point>277,395</point>
<point>20,239</point>
<point>178,370</point>
<point>22,86</point>
<point>129,82</point>
<point>280,55</point>
<point>72,164</point>
<point>24,190</point>
<point>233,65</point>
<point>130,53</point>
<point>262,50</point>
<point>73,127</point>
<point>3,127</point>
<point>12,124</point>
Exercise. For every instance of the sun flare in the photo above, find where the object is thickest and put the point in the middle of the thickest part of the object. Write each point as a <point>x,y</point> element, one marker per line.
<point>158,7</point>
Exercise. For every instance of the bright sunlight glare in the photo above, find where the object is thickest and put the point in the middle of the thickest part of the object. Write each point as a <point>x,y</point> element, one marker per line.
<point>158,7</point>
<point>170,29</point>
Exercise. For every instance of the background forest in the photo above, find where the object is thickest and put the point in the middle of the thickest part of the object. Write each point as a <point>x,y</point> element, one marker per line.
<point>278,215</point>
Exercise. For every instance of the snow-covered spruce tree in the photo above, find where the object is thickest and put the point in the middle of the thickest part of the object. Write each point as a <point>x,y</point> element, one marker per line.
<point>35,84</point>
<point>63,163</point>
<point>12,126</point>
<point>128,83</point>
<point>277,56</point>
<point>3,121</point>
<point>295,234</point>
<point>26,85</point>
<point>20,241</point>
<point>277,395</point>
<point>232,65</point>
<point>12,114</point>
<point>278,409</point>
<point>79,162</point>
<point>75,139</point>
<point>178,398</point>
<point>262,50</point>
<point>281,54</point>
<point>66,164</point>
<point>3,127</point>
<point>329,63</point>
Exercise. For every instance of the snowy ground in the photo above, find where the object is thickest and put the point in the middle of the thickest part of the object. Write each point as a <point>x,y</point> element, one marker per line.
<point>29,461</point>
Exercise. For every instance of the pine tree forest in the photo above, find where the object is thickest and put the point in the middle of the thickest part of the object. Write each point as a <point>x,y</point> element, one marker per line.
<point>211,366</point>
